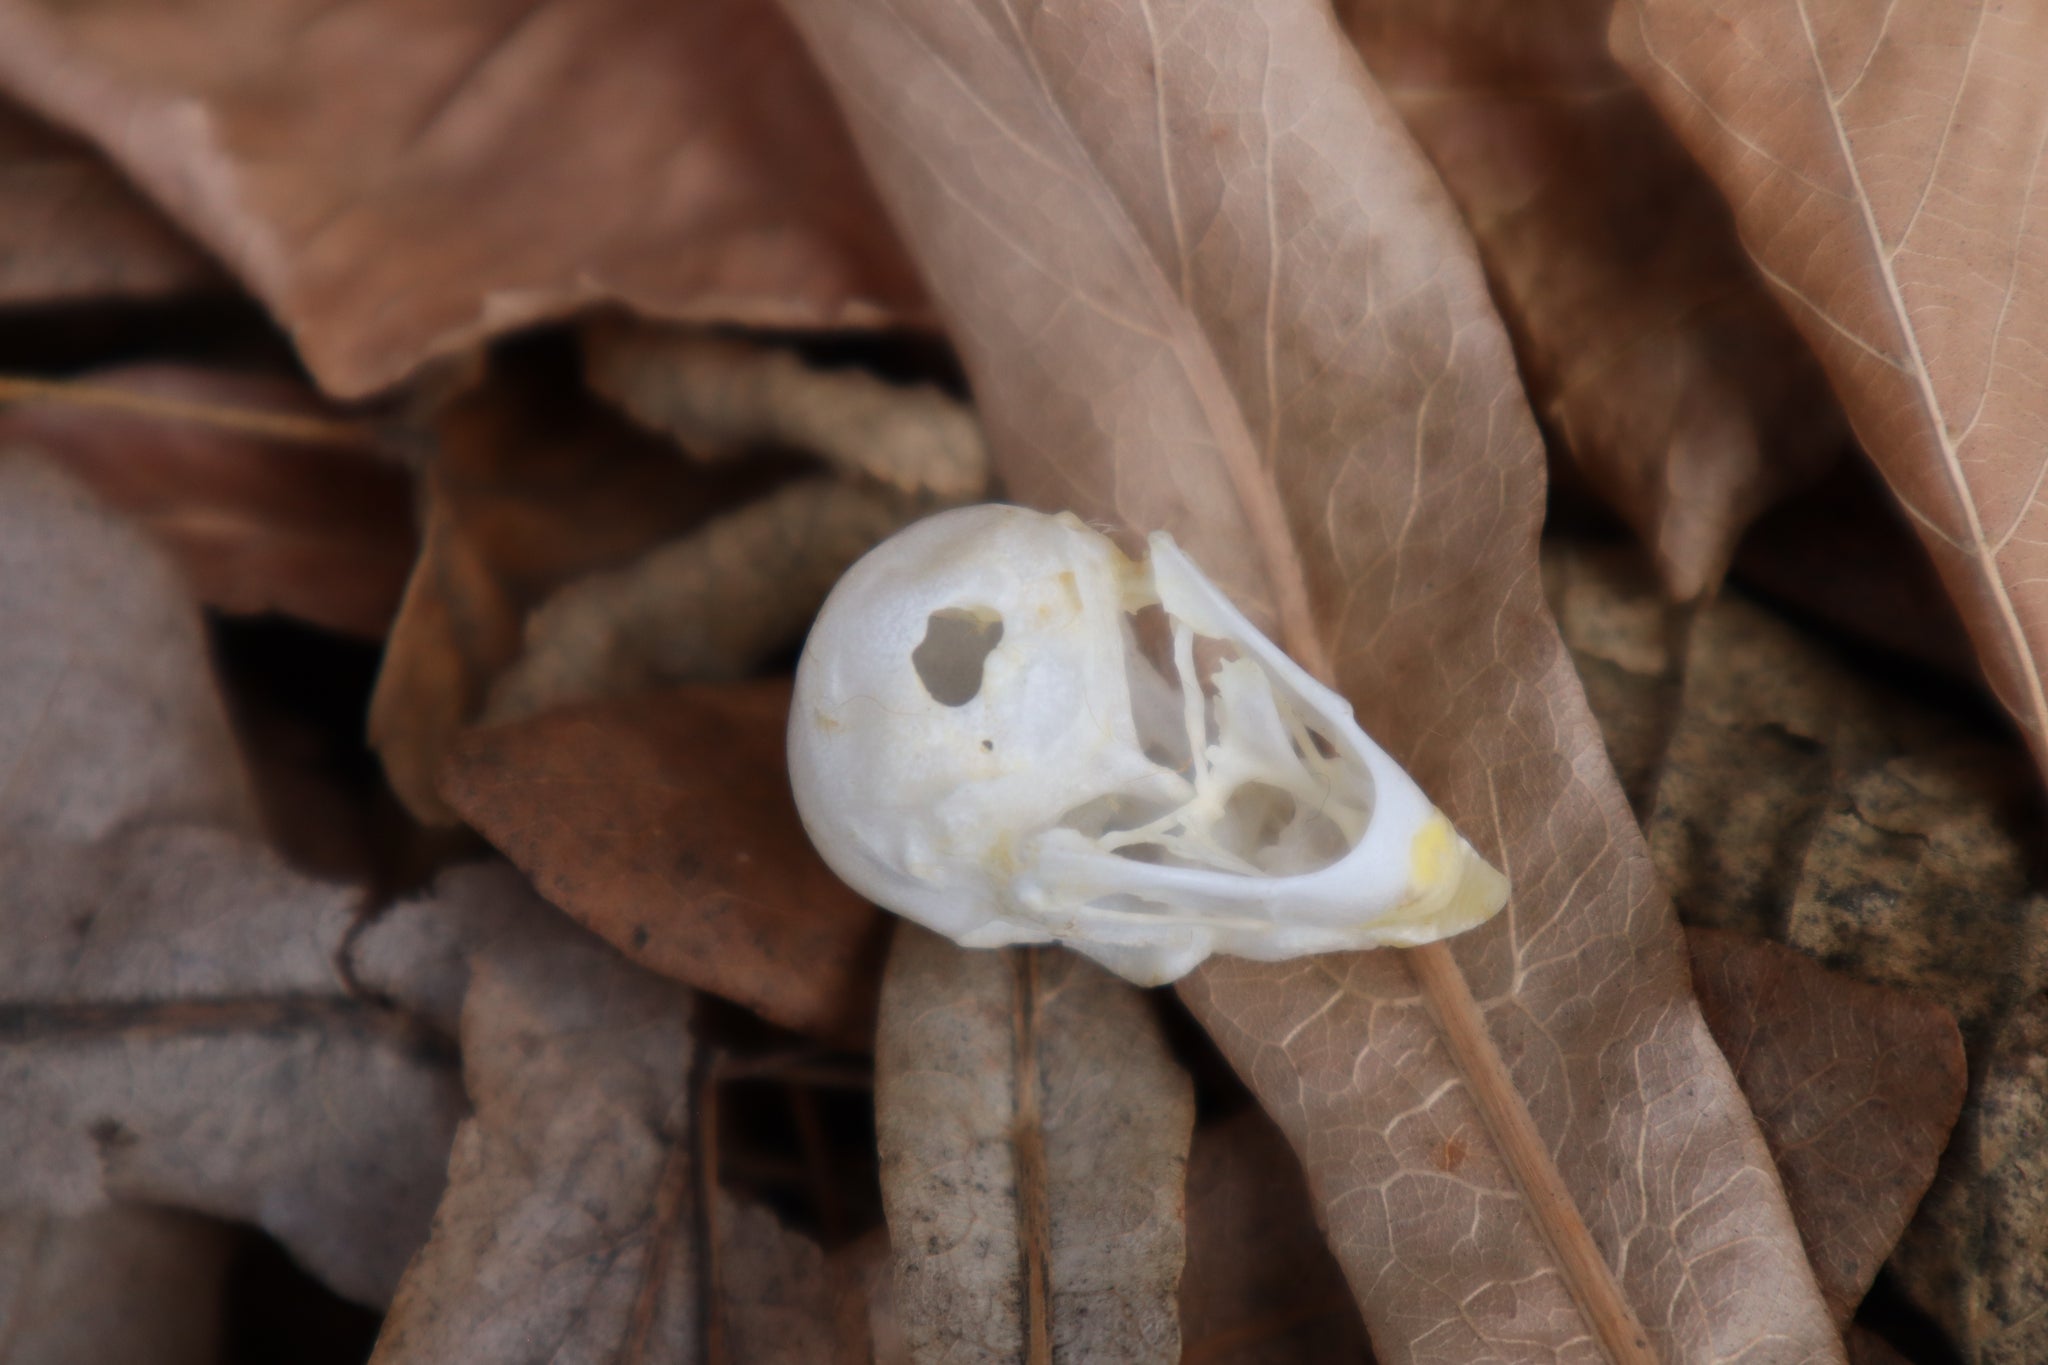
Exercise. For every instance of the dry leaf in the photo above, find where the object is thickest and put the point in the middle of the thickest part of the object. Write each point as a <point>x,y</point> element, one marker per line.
<point>1886,171</point>
<point>1202,283</point>
<point>1034,1135</point>
<point>74,230</point>
<point>1647,340</point>
<point>720,395</point>
<point>1261,1287</point>
<point>1855,1086</point>
<point>137,1285</point>
<point>714,605</point>
<point>257,524</point>
<point>396,184</point>
<point>1901,851</point>
<point>533,485</point>
<point>565,1233</point>
<point>572,1225</point>
<point>174,1023</point>
<point>665,824</point>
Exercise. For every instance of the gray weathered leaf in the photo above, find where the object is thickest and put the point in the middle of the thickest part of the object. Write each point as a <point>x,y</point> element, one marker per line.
<point>1034,1135</point>
<point>175,1024</point>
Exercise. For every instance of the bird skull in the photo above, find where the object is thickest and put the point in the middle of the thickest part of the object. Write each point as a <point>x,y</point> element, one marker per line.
<point>1008,731</point>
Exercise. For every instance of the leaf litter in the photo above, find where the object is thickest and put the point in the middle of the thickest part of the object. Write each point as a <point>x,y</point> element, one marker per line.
<point>1179,307</point>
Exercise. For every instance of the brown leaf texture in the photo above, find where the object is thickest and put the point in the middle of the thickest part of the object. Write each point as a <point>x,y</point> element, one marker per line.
<point>1034,1136</point>
<point>566,1230</point>
<point>175,1026</point>
<point>665,824</point>
<point>1887,171</point>
<point>1203,283</point>
<point>1648,342</point>
<point>139,1285</point>
<point>721,394</point>
<point>573,1228</point>
<point>1855,1086</point>
<point>717,604</point>
<point>74,229</point>
<point>397,184</point>
<point>1800,799</point>
<point>531,486</point>
<point>258,524</point>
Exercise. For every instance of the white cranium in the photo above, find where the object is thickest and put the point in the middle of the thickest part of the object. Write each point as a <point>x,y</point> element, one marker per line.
<point>996,733</point>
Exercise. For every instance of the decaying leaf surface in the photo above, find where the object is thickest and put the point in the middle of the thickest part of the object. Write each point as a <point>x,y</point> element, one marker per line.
<point>1855,1086</point>
<point>531,486</point>
<point>665,824</point>
<point>573,1227</point>
<point>1887,171</point>
<point>717,604</point>
<point>75,230</point>
<point>174,1026</point>
<point>131,1284</point>
<point>1203,283</point>
<point>720,394</point>
<point>566,1230</point>
<point>1034,1136</point>
<point>1903,854</point>
<point>1646,338</point>
<point>257,524</point>
<point>1260,1285</point>
<point>397,184</point>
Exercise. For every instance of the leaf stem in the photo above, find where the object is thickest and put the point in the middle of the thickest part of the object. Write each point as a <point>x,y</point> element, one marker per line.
<point>278,426</point>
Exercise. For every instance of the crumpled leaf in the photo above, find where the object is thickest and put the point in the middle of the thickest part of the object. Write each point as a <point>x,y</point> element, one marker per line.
<point>1034,1133</point>
<point>570,1229</point>
<point>714,605</point>
<point>139,1285</point>
<point>720,395</point>
<point>397,183</point>
<point>665,824</point>
<point>532,485</point>
<point>565,1231</point>
<point>175,1025</point>
<point>1647,340</point>
<point>1202,283</point>
<point>1903,854</point>
<point>1260,1285</point>
<point>1886,167</point>
<point>74,229</point>
<point>257,524</point>
<point>1855,1086</point>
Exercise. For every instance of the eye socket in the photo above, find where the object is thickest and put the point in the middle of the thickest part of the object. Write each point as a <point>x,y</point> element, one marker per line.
<point>957,642</point>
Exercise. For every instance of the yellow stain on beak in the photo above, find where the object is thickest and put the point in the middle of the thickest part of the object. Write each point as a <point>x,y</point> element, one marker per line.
<point>1451,888</point>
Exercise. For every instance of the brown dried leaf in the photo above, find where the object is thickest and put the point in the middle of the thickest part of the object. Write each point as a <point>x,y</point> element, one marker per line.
<point>1034,1134</point>
<point>665,824</point>
<point>1886,166</point>
<point>1261,1287</point>
<point>258,524</point>
<point>719,395</point>
<point>714,605</point>
<point>566,1230</point>
<point>1855,1086</point>
<point>572,1228</point>
<point>533,485</point>
<point>1647,340</point>
<point>75,230</point>
<point>398,183</point>
<point>137,1285</point>
<point>1203,283</point>
<point>1802,800</point>
<point>175,1026</point>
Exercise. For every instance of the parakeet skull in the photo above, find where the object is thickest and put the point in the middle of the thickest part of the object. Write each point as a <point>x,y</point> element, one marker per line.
<point>1010,732</point>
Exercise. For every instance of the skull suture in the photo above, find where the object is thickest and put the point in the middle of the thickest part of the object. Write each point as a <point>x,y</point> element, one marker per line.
<point>1008,731</point>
